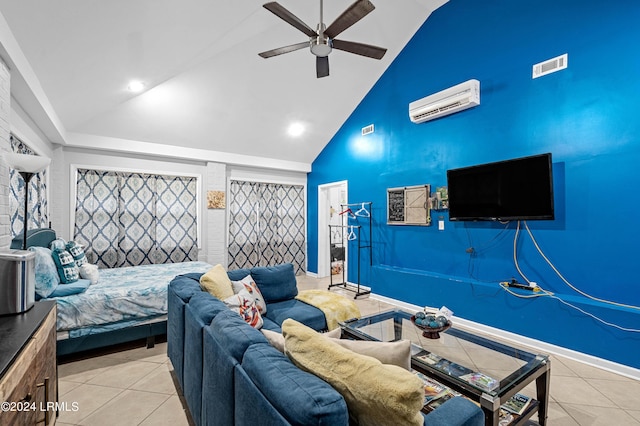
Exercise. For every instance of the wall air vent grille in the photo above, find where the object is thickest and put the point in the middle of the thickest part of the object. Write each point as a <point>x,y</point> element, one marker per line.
<point>552,65</point>
<point>367,129</point>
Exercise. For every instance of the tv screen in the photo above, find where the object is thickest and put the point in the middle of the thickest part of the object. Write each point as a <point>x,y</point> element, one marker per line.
<point>517,189</point>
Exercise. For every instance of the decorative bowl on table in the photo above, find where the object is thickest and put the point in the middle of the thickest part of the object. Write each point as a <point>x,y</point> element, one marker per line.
<point>430,325</point>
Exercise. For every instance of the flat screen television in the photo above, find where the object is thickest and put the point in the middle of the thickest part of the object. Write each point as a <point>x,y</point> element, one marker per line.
<point>517,189</point>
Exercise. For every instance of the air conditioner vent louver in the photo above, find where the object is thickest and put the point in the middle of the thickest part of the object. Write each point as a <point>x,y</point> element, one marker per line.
<point>552,65</point>
<point>448,101</point>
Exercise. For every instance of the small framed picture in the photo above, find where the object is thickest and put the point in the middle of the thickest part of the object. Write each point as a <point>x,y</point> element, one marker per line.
<point>216,200</point>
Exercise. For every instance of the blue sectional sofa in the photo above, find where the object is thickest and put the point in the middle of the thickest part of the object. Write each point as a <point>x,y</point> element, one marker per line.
<point>230,374</point>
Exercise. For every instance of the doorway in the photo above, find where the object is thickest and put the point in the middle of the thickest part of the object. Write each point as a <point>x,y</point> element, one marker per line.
<point>330,198</point>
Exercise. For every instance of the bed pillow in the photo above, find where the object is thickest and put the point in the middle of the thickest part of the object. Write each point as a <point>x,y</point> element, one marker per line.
<point>217,282</point>
<point>90,272</point>
<point>77,251</point>
<point>67,269</point>
<point>375,393</point>
<point>244,304</point>
<point>46,273</point>
<point>247,283</point>
<point>70,289</point>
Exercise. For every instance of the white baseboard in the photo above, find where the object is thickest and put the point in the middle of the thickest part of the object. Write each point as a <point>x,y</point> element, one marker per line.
<point>537,345</point>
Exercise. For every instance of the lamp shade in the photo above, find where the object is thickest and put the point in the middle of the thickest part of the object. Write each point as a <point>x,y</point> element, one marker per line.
<point>26,163</point>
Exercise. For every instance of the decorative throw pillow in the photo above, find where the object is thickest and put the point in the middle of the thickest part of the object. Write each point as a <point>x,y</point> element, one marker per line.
<point>217,282</point>
<point>58,243</point>
<point>77,251</point>
<point>244,304</point>
<point>275,339</point>
<point>90,272</point>
<point>393,353</point>
<point>375,393</point>
<point>66,266</point>
<point>46,273</point>
<point>247,283</point>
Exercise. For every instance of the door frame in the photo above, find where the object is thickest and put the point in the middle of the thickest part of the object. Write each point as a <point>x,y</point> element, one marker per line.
<point>324,261</point>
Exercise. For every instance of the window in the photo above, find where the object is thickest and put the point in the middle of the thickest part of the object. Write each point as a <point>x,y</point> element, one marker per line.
<point>130,219</point>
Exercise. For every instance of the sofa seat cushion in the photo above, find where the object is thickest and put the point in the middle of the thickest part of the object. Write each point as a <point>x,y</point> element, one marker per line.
<point>376,394</point>
<point>276,283</point>
<point>234,334</point>
<point>300,311</point>
<point>302,398</point>
<point>270,325</point>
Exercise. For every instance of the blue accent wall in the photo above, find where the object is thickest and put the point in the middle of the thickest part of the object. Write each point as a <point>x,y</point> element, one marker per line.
<point>587,116</point>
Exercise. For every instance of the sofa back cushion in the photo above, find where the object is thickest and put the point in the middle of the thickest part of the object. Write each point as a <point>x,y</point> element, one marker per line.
<point>234,334</point>
<point>276,283</point>
<point>298,396</point>
<point>206,307</point>
<point>238,274</point>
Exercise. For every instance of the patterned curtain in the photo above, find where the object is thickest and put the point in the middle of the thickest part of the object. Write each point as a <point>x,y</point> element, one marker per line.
<point>266,225</point>
<point>130,219</point>
<point>38,210</point>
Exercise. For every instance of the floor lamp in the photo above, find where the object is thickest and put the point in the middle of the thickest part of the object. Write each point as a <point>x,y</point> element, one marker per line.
<point>27,166</point>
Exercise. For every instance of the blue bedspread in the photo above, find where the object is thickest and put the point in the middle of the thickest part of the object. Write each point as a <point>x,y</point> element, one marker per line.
<point>123,294</point>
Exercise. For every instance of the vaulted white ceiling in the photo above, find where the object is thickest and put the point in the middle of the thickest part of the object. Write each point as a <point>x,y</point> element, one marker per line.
<point>209,94</point>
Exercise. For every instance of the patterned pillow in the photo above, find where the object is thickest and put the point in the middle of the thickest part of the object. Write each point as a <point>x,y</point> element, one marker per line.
<point>247,283</point>
<point>77,251</point>
<point>244,304</point>
<point>67,268</point>
<point>47,278</point>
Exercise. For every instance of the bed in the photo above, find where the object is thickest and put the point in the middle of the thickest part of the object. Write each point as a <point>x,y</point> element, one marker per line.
<point>126,304</point>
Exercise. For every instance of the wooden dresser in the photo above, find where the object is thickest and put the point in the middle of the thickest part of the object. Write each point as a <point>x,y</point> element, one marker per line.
<point>28,371</point>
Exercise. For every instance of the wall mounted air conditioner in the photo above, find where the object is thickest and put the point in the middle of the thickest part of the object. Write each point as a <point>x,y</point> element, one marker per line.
<point>457,98</point>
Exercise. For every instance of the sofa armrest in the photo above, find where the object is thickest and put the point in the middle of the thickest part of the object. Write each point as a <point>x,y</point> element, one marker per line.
<point>457,411</point>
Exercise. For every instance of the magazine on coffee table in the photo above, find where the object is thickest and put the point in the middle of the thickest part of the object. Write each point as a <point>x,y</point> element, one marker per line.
<point>481,380</point>
<point>517,403</point>
<point>432,388</point>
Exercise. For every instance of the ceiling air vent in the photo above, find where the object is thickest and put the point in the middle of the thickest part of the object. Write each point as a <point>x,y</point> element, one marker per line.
<point>552,65</point>
<point>367,129</point>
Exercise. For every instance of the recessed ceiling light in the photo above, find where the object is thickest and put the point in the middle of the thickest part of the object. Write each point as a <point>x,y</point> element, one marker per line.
<point>295,129</point>
<point>135,86</point>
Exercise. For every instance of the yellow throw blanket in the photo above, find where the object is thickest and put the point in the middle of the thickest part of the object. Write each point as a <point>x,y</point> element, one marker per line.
<point>335,307</point>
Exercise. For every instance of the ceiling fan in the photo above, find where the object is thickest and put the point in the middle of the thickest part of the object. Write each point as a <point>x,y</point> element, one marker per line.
<point>322,40</point>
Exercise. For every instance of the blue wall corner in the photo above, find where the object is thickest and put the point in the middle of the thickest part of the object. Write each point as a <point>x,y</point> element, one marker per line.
<point>586,116</point>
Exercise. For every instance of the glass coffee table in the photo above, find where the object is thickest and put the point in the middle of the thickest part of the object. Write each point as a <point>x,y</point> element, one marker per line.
<point>458,356</point>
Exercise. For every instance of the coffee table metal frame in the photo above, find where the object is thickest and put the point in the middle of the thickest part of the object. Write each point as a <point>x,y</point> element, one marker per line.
<point>537,367</point>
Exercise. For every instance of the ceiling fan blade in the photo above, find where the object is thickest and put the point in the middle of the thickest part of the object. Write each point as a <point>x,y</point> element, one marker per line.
<point>322,66</point>
<point>290,18</point>
<point>284,49</point>
<point>367,50</point>
<point>353,14</point>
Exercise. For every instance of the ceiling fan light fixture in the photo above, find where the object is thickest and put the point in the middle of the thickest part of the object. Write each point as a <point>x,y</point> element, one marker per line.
<point>321,46</point>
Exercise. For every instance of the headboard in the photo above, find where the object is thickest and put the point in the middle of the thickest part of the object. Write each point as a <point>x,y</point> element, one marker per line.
<point>39,237</point>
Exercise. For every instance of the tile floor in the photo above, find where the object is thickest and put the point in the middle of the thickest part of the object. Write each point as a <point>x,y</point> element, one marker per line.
<point>135,386</point>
